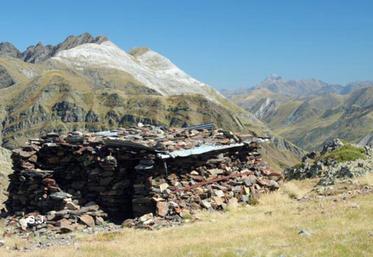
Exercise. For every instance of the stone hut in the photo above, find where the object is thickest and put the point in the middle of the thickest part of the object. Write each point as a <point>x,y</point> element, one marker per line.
<point>131,172</point>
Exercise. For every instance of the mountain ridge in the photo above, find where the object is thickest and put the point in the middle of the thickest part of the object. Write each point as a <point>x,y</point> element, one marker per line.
<point>40,52</point>
<point>77,66</point>
<point>313,111</point>
<point>98,86</point>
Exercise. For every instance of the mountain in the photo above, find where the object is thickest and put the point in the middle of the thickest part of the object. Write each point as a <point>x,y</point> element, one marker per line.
<point>308,112</point>
<point>89,83</point>
<point>39,53</point>
<point>297,88</point>
<point>9,50</point>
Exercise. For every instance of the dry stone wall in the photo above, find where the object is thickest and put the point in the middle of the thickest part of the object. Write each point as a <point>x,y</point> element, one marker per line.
<point>146,176</point>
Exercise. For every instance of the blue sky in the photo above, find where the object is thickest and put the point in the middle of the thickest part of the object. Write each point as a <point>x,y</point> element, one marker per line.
<point>224,43</point>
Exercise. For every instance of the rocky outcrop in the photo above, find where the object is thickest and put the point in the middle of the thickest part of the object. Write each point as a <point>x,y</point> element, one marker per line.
<point>91,116</point>
<point>39,52</point>
<point>330,170</point>
<point>9,50</point>
<point>264,108</point>
<point>69,112</point>
<point>73,41</point>
<point>331,145</point>
<point>5,79</point>
<point>347,170</point>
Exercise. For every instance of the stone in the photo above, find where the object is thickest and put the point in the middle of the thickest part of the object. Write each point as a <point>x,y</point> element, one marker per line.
<point>163,187</point>
<point>218,200</point>
<point>128,223</point>
<point>273,184</point>
<point>247,190</point>
<point>185,214</point>
<point>206,204</point>
<point>219,193</point>
<point>26,154</point>
<point>233,203</point>
<point>162,208</point>
<point>71,206</point>
<point>60,196</point>
<point>75,137</point>
<point>237,189</point>
<point>194,173</point>
<point>65,226</point>
<point>87,220</point>
<point>63,222</point>
<point>2,242</point>
<point>99,221</point>
<point>215,172</point>
<point>245,198</point>
<point>146,218</point>
<point>250,180</point>
<point>51,215</point>
<point>91,206</point>
<point>23,223</point>
<point>304,232</point>
<point>331,145</point>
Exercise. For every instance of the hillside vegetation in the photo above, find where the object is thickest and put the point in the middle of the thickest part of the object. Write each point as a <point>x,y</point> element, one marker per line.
<point>345,153</point>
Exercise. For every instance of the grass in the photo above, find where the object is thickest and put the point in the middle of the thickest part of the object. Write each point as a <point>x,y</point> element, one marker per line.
<point>365,180</point>
<point>345,153</point>
<point>294,191</point>
<point>271,228</point>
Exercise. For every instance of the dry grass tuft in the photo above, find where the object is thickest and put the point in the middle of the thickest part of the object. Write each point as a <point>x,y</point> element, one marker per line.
<point>297,189</point>
<point>365,180</point>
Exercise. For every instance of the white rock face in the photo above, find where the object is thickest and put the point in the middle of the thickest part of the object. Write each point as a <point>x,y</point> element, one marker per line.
<point>148,67</point>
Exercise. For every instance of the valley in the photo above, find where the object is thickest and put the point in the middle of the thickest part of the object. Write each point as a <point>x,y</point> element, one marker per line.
<point>310,112</point>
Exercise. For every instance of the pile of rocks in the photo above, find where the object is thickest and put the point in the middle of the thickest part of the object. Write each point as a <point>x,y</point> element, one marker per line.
<point>212,181</point>
<point>331,171</point>
<point>331,145</point>
<point>147,176</point>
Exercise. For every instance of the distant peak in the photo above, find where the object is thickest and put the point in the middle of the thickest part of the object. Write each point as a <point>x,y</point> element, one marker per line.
<point>39,53</point>
<point>274,76</point>
<point>9,50</point>
<point>84,38</point>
